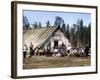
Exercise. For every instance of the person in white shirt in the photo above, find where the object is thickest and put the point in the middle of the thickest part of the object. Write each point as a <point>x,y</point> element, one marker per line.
<point>25,49</point>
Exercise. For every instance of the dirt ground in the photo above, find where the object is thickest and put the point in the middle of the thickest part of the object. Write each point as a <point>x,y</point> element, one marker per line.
<point>55,62</point>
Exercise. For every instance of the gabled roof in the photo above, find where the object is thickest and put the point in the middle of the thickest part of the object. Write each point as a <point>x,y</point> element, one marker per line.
<point>38,36</point>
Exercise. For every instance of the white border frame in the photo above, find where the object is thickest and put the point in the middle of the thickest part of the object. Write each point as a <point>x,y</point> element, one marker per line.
<point>50,71</point>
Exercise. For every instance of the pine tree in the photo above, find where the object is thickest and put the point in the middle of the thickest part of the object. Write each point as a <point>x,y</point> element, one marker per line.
<point>40,25</point>
<point>35,25</point>
<point>68,32</point>
<point>58,21</point>
<point>64,27</point>
<point>47,23</point>
<point>26,24</point>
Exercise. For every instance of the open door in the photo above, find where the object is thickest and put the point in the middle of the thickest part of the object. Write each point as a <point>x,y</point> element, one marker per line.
<point>55,44</point>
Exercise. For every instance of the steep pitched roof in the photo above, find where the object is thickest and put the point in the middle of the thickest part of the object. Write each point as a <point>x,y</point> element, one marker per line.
<point>38,36</point>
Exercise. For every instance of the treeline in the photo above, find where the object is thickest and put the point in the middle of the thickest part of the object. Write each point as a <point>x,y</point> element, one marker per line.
<point>78,34</point>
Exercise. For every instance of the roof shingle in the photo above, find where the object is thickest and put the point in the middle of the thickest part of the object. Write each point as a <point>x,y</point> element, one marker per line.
<point>37,36</point>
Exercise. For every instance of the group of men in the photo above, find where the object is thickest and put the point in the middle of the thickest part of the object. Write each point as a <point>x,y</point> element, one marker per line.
<point>61,50</point>
<point>25,49</point>
<point>81,51</point>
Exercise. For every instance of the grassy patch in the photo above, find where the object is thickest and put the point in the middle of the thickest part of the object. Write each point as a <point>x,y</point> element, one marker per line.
<point>55,62</point>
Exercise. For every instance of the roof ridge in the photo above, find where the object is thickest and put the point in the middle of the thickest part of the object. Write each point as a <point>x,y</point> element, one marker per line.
<point>48,37</point>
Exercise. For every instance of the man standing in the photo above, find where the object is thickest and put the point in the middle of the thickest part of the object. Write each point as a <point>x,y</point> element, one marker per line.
<point>87,50</point>
<point>25,50</point>
<point>31,49</point>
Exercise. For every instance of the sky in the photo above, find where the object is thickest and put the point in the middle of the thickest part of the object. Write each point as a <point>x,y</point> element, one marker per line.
<point>68,17</point>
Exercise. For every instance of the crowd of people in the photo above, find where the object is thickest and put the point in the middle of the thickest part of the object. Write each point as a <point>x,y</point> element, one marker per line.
<point>62,50</point>
<point>82,51</point>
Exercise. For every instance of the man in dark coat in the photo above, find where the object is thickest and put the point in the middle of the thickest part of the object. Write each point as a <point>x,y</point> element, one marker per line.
<point>31,50</point>
<point>87,50</point>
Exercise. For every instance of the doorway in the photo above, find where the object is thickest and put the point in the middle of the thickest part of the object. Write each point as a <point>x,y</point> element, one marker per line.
<point>55,44</point>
